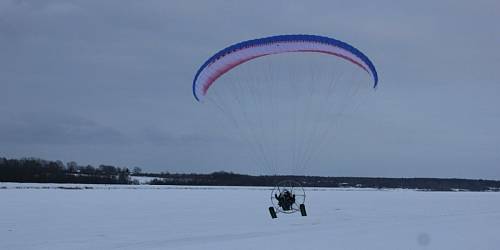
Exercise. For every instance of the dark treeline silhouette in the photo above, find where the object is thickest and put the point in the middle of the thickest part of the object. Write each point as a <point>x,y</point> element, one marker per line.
<point>42,171</point>
<point>232,179</point>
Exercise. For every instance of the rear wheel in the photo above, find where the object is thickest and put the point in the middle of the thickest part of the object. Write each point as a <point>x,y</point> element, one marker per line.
<point>303,210</point>
<point>272,212</point>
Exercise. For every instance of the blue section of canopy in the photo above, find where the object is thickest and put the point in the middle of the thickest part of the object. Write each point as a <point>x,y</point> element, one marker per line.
<point>287,38</point>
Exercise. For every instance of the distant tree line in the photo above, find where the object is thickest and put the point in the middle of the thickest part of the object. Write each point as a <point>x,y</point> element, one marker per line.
<point>43,171</point>
<point>231,179</point>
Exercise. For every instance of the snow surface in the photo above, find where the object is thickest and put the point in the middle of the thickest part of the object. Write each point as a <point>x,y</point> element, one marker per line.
<point>76,216</point>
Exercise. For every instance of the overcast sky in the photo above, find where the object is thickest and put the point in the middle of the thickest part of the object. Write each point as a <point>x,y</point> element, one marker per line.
<point>110,82</point>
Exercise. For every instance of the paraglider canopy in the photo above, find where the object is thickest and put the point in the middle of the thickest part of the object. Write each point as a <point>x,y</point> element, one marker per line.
<point>234,55</point>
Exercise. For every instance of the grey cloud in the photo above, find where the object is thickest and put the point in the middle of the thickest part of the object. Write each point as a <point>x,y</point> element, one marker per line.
<point>59,129</point>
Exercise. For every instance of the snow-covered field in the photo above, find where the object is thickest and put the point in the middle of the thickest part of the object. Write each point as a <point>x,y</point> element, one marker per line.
<point>44,216</point>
